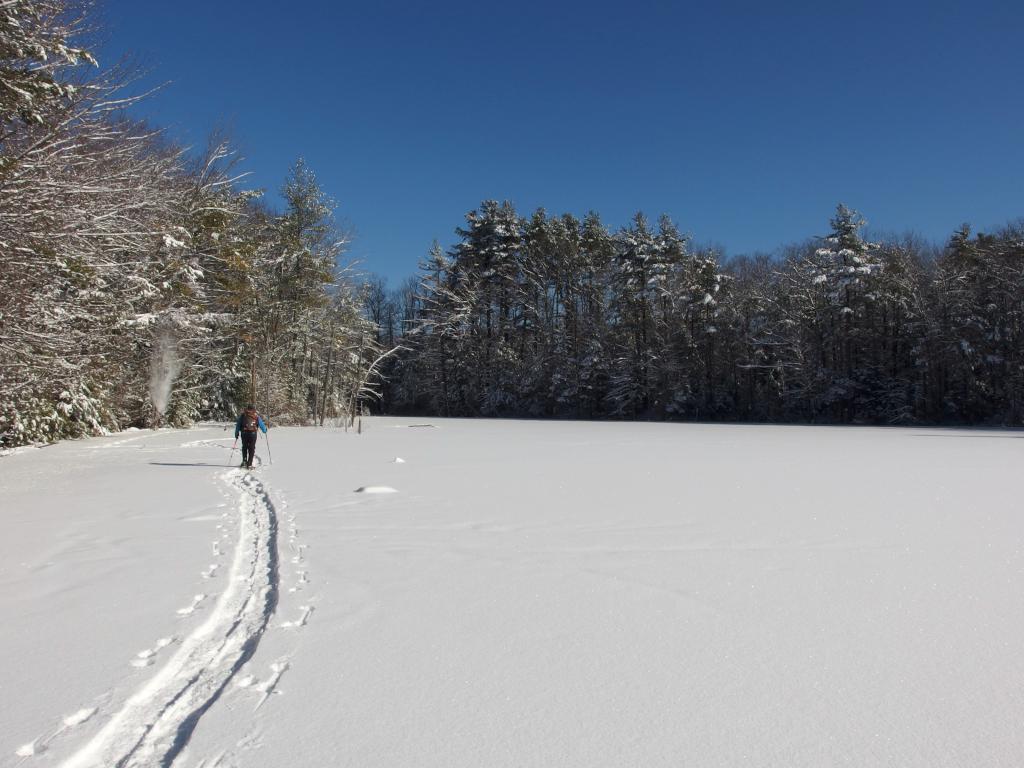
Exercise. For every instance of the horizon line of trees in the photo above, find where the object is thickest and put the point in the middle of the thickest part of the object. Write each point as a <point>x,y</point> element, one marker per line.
<point>552,316</point>
<point>141,284</point>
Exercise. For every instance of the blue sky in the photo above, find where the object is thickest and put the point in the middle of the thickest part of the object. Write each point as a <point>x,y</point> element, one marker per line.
<point>746,122</point>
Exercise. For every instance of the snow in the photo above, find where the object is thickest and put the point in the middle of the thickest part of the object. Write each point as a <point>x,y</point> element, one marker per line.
<point>533,594</point>
<point>376,489</point>
<point>21,449</point>
<point>79,717</point>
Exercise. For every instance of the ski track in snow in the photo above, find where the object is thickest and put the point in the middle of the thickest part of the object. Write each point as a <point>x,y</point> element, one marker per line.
<point>120,443</point>
<point>207,444</point>
<point>246,680</point>
<point>155,724</point>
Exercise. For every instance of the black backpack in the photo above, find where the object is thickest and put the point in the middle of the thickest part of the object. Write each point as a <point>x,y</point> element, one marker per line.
<point>250,421</point>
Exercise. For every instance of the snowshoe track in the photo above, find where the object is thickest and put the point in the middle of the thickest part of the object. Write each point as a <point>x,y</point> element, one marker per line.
<point>156,723</point>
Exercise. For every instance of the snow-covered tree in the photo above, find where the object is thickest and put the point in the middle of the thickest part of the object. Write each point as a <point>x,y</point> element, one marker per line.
<point>641,324</point>
<point>38,56</point>
<point>139,282</point>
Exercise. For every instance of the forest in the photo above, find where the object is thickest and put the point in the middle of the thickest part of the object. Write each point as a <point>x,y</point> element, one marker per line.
<point>551,316</point>
<point>145,284</point>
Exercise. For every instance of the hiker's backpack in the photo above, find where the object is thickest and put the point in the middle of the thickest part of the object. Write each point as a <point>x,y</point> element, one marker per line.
<point>250,421</point>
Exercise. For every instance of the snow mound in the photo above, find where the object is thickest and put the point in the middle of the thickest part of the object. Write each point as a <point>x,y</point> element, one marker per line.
<point>398,460</point>
<point>375,489</point>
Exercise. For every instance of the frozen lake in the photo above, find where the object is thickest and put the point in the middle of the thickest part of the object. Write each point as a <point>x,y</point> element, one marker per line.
<point>516,593</point>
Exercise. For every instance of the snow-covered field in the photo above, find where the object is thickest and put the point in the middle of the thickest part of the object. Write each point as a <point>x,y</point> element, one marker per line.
<point>531,594</point>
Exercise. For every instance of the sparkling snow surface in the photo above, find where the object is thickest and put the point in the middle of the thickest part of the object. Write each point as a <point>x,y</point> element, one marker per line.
<point>534,594</point>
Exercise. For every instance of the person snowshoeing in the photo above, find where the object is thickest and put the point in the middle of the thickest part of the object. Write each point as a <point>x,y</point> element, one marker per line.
<point>248,422</point>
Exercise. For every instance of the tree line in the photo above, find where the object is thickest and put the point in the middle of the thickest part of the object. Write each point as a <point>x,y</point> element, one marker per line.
<point>141,283</point>
<point>551,316</point>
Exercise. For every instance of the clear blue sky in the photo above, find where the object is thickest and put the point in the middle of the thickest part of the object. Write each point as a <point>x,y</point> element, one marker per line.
<point>746,122</point>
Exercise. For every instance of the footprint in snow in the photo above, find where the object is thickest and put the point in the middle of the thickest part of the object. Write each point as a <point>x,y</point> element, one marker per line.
<point>215,762</point>
<point>307,611</point>
<point>251,740</point>
<point>210,572</point>
<point>142,659</point>
<point>38,745</point>
<point>269,686</point>
<point>79,717</point>
<point>147,657</point>
<point>34,747</point>
<point>192,608</point>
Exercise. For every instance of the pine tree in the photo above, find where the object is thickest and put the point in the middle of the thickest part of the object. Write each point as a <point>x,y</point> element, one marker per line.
<point>487,272</point>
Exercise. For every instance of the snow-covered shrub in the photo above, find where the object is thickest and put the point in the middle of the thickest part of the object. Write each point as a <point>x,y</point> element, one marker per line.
<point>37,417</point>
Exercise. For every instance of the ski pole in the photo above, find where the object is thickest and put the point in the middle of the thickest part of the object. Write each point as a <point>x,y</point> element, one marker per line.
<point>232,451</point>
<point>266,439</point>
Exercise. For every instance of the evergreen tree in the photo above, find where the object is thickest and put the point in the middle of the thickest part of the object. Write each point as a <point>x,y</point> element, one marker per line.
<point>556,317</point>
<point>631,318</point>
